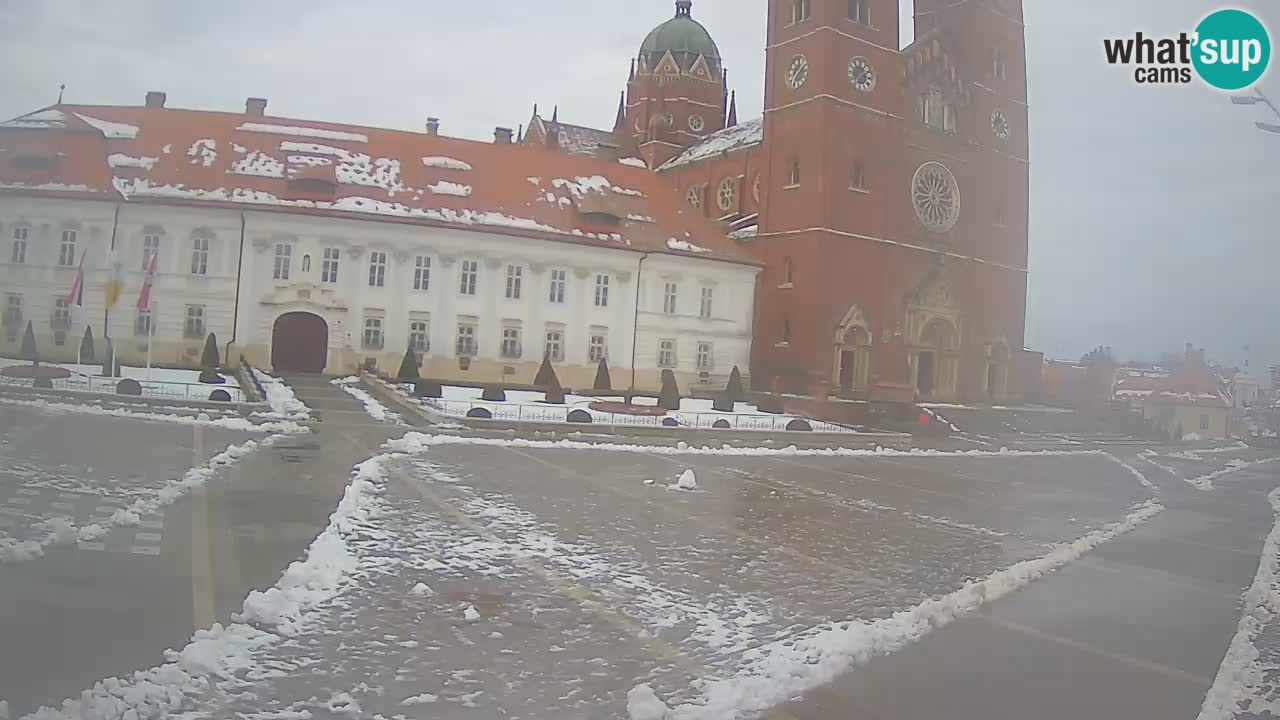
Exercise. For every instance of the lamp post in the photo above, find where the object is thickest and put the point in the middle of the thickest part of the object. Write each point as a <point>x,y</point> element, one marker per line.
<point>1259,97</point>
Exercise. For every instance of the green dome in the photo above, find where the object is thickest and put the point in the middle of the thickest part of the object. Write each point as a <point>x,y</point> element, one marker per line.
<point>684,38</point>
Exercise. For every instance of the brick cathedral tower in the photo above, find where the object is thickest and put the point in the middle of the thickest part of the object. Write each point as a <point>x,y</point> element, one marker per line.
<point>676,94</point>
<point>879,279</point>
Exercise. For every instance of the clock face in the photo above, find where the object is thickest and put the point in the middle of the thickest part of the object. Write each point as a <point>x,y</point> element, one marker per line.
<point>797,72</point>
<point>861,75</point>
<point>696,123</point>
<point>1000,125</point>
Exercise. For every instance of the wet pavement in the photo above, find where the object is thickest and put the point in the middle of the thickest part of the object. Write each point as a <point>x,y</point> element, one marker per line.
<point>557,580</point>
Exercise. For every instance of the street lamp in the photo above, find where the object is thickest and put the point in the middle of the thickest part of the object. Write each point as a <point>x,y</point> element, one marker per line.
<point>1254,99</point>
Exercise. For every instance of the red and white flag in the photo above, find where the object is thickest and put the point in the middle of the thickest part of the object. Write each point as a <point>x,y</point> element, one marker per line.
<point>144,296</point>
<point>75,298</point>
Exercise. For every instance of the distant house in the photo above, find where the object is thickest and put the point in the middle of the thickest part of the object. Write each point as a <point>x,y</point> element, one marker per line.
<point>1190,403</point>
<point>1134,385</point>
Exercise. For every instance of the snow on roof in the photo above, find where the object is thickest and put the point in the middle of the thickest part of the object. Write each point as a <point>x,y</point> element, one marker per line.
<point>445,163</point>
<point>50,118</point>
<point>634,162</point>
<point>171,154</point>
<point>112,130</point>
<point>304,132</point>
<point>575,139</point>
<point>745,233</point>
<point>735,138</point>
<point>120,160</point>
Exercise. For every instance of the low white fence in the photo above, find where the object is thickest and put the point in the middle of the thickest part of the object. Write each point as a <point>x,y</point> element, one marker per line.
<point>150,388</point>
<point>522,412</point>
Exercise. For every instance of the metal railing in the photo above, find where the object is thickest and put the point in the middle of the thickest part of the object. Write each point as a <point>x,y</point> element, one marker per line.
<point>150,388</point>
<point>520,412</point>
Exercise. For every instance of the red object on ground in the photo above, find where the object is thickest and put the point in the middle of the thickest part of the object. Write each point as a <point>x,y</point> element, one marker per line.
<point>924,419</point>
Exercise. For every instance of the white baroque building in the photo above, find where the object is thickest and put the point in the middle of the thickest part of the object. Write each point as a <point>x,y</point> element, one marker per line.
<point>322,248</point>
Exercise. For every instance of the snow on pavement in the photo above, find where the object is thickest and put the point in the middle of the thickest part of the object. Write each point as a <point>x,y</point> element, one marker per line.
<point>376,410</point>
<point>1245,678</point>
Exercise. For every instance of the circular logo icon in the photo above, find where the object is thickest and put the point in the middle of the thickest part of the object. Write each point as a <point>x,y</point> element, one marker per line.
<point>1232,49</point>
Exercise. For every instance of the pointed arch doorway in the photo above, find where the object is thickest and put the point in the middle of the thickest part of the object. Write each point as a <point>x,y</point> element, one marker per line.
<point>852,352</point>
<point>300,343</point>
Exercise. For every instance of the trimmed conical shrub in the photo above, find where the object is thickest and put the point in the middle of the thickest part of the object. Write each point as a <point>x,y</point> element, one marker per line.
<point>734,389</point>
<point>86,345</point>
<point>603,383</point>
<point>408,367</point>
<point>28,350</point>
<point>546,374</point>
<point>669,397</point>
<point>209,362</point>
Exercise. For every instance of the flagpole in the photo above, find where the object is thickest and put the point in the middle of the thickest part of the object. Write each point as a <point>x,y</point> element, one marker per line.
<point>151,337</point>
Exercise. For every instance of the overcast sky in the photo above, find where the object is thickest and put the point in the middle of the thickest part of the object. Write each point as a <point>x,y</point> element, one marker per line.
<point>1153,209</point>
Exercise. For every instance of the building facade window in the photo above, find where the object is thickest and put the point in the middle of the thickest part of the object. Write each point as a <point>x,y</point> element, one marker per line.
<point>799,11</point>
<point>150,249</point>
<point>61,319</point>
<point>559,279</point>
<point>555,344</point>
<point>706,358</point>
<point>142,321</point>
<point>706,307</point>
<point>1204,422</point>
<point>200,256</point>
<point>857,176</point>
<point>377,269</point>
<point>793,176</point>
<point>786,330</point>
<point>998,69</point>
<point>18,256</point>
<point>12,311</point>
<point>860,11</point>
<point>193,328</point>
<point>669,298</point>
<point>422,273</point>
<point>284,257</point>
<point>67,250</point>
<point>512,347</point>
<point>666,353</point>
<point>598,347</point>
<point>466,345</point>
<point>602,290</point>
<point>515,281</point>
<point>420,336</point>
<point>372,334</point>
<point>329,266</point>
<point>306,264</point>
<point>470,272</point>
<point>788,272</point>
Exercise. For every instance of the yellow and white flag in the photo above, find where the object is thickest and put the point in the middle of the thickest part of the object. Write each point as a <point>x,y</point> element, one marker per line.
<point>115,280</point>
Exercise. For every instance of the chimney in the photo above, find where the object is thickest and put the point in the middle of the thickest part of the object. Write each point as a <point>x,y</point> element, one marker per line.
<point>502,136</point>
<point>433,126</point>
<point>155,99</point>
<point>608,152</point>
<point>255,106</point>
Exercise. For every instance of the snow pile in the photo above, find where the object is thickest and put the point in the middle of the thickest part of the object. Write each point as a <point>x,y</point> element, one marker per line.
<point>685,246</point>
<point>415,442</point>
<point>321,573</point>
<point>1204,483</point>
<point>280,397</point>
<point>446,163</point>
<point>303,132</point>
<point>423,699</point>
<point>422,590</point>
<point>1245,677</point>
<point>376,410</point>
<point>226,423</point>
<point>789,666</point>
<point>687,481</point>
<point>118,160</point>
<point>444,187</point>
<point>258,164</point>
<point>471,615</point>
<point>113,131</point>
<point>643,704</point>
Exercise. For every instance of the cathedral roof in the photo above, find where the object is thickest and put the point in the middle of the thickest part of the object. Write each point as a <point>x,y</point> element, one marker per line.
<point>218,159</point>
<point>682,36</point>
<point>740,136</point>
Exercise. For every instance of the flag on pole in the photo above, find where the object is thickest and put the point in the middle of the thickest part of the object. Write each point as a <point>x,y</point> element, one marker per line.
<point>75,298</point>
<point>144,296</point>
<point>115,281</point>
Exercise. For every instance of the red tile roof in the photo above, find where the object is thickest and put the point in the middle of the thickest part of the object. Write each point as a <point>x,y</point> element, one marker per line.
<point>1192,384</point>
<point>166,155</point>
